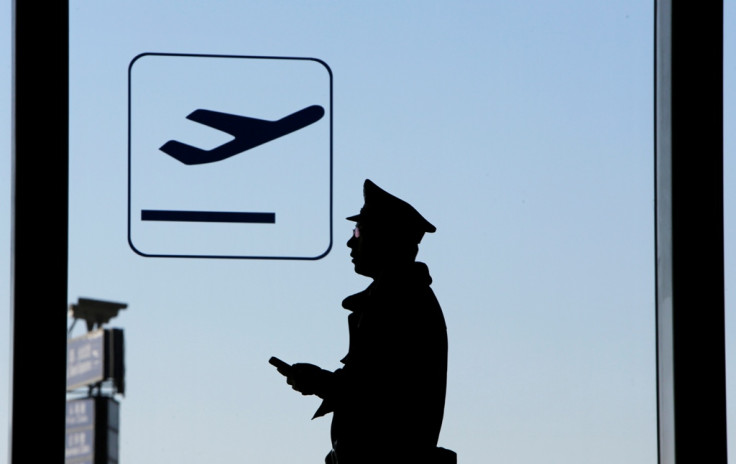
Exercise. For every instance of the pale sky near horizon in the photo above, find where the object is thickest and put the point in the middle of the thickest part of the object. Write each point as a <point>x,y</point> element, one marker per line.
<point>522,130</point>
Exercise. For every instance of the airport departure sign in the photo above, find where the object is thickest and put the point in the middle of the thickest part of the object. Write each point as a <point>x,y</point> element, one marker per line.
<point>229,156</point>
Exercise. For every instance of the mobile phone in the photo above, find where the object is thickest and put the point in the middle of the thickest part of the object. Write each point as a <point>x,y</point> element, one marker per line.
<point>281,366</point>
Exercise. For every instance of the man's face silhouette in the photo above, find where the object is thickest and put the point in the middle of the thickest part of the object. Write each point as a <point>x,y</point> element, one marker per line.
<point>363,252</point>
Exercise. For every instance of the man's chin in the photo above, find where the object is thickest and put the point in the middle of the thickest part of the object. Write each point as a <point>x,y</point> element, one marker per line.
<point>359,269</point>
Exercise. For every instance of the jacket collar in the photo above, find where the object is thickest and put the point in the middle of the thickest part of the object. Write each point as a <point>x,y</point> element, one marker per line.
<point>416,275</point>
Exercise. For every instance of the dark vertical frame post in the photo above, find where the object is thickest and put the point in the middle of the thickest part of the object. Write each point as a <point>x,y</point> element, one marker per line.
<point>689,232</point>
<point>39,231</point>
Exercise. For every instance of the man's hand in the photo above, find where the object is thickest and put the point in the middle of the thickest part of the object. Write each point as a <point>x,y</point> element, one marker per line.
<point>309,379</point>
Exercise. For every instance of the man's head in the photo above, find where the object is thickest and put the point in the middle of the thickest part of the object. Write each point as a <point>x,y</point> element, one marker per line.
<point>387,233</point>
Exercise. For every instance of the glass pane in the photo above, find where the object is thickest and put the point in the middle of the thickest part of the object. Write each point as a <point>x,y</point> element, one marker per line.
<point>729,212</point>
<point>5,180</point>
<point>522,131</point>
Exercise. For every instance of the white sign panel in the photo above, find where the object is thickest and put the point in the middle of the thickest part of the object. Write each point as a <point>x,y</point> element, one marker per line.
<point>230,156</point>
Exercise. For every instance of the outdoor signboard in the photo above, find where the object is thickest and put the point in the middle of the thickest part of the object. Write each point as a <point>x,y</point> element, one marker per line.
<point>80,433</point>
<point>94,357</point>
<point>84,362</point>
<point>92,426</point>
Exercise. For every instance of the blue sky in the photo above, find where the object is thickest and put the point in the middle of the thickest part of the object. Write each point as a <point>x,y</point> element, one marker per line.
<point>522,131</point>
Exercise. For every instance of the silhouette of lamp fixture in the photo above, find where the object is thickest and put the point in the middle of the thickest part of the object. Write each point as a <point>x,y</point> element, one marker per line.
<point>95,312</point>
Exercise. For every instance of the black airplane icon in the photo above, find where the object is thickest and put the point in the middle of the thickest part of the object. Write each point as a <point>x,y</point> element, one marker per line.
<point>248,133</point>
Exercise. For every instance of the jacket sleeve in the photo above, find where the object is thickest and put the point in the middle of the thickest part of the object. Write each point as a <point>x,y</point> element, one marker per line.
<point>328,394</point>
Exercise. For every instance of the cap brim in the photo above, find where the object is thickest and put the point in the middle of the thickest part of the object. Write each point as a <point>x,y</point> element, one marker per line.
<point>353,218</point>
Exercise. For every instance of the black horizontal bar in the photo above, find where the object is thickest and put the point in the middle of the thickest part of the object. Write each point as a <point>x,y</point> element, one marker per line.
<point>207,216</point>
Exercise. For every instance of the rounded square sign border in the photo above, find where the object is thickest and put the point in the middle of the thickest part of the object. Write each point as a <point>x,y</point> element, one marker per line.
<point>197,55</point>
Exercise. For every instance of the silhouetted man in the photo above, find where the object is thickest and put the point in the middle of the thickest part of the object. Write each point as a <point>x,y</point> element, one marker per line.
<point>388,399</point>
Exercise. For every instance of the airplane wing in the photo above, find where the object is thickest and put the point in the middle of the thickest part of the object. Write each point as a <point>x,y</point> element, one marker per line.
<point>231,123</point>
<point>186,154</point>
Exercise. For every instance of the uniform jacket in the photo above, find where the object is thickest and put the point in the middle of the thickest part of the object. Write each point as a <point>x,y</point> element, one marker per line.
<point>389,396</point>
